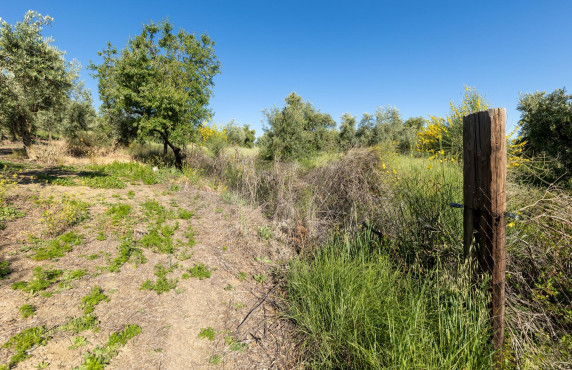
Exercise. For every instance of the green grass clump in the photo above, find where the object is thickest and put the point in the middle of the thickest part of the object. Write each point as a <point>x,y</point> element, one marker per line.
<point>22,342</point>
<point>27,310</point>
<point>78,324</point>
<point>60,215</point>
<point>41,280</point>
<point>162,284</point>
<point>93,299</point>
<point>200,271</point>
<point>185,214</point>
<point>5,269</point>
<point>160,239</point>
<point>234,344</point>
<point>77,342</point>
<point>56,180</point>
<point>265,232</point>
<point>260,278</point>
<point>132,171</point>
<point>118,212</point>
<point>101,356</point>
<point>126,251</point>
<point>207,333</point>
<point>358,311</point>
<point>155,212</point>
<point>99,181</point>
<point>58,247</point>
<point>8,213</point>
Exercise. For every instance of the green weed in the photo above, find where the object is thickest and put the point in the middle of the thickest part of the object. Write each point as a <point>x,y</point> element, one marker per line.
<point>58,247</point>
<point>265,232</point>
<point>207,333</point>
<point>27,310</point>
<point>93,299</point>
<point>215,359</point>
<point>241,276</point>
<point>60,215</point>
<point>228,287</point>
<point>260,278</point>
<point>101,356</point>
<point>99,181</point>
<point>101,236</point>
<point>78,341</point>
<point>126,250</point>
<point>132,171</point>
<point>185,214</point>
<point>22,342</point>
<point>235,344</point>
<point>55,180</point>
<point>5,269</point>
<point>41,280</point>
<point>162,284</point>
<point>200,271</point>
<point>78,324</point>
<point>130,194</point>
<point>118,213</point>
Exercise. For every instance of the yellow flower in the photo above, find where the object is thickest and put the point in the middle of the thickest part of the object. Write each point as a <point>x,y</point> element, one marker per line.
<point>510,224</point>
<point>383,166</point>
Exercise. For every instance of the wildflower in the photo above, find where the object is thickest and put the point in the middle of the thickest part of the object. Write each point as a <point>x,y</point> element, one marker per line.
<point>511,224</point>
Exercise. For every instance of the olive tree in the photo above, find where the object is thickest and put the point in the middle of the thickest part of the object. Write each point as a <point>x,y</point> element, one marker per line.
<point>34,76</point>
<point>158,86</point>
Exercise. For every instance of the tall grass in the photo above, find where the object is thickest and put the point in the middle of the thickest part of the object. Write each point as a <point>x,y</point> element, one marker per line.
<point>354,309</point>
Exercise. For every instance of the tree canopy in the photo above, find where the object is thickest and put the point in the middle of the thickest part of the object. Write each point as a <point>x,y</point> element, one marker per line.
<point>295,131</point>
<point>34,76</point>
<point>546,124</point>
<point>159,85</point>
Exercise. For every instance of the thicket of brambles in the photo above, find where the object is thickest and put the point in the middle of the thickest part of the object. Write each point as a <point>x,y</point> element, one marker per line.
<point>380,281</point>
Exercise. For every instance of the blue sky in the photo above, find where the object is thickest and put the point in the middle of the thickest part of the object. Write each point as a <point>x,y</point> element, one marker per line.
<point>342,56</point>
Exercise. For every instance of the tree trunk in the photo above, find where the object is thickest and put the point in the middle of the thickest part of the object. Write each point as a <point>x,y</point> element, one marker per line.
<point>165,148</point>
<point>25,132</point>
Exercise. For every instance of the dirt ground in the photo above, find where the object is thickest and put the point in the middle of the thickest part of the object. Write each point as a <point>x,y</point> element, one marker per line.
<point>228,240</point>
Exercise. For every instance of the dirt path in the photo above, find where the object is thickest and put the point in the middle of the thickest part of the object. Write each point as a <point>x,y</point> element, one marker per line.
<point>232,240</point>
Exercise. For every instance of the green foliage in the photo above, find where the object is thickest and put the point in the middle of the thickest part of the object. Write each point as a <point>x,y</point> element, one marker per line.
<point>58,216</point>
<point>159,85</point>
<point>234,344</point>
<point>41,280</point>
<point>446,133</point>
<point>185,214</point>
<point>347,138</point>
<point>265,232</point>
<point>5,269</point>
<point>200,271</point>
<point>240,136</point>
<point>546,124</point>
<point>77,342</point>
<point>126,250</point>
<point>56,180</point>
<point>118,212</point>
<point>58,247</point>
<point>93,299</point>
<point>162,284</point>
<point>207,333</point>
<point>101,356</point>
<point>102,181</point>
<point>27,310</point>
<point>131,171</point>
<point>35,76</point>
<point>297,131</point>
<point>387,127</point>
<point>22,342</point>
<point>260,278</point>
<point>357,311</point>
<point>78,324</point>
<point>241,276</point>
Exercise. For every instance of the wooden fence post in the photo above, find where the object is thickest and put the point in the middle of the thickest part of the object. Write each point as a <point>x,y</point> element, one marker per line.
<point>484,176</point>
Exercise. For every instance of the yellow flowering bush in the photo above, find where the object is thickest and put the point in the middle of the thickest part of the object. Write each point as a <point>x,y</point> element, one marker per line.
<point>212,137</point>
<point>446,133</point>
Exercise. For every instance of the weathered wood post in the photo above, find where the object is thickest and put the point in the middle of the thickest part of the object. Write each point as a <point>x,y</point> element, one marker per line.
<point>484,175</point>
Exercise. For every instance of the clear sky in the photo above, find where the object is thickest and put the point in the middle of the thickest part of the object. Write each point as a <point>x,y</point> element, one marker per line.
<point>351,56</point>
